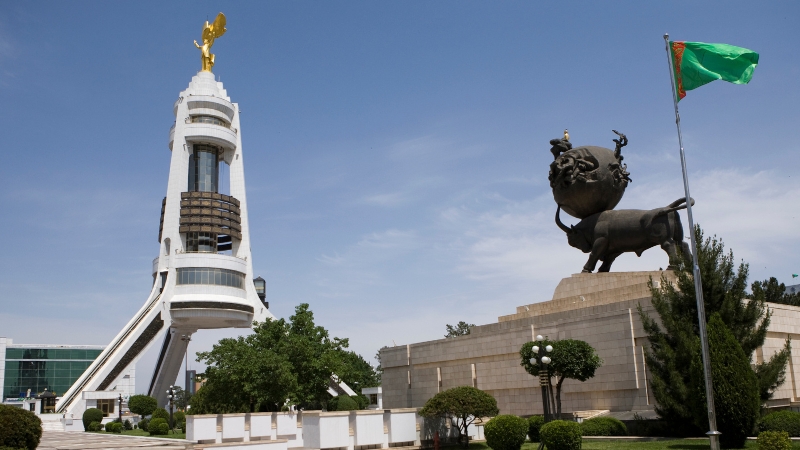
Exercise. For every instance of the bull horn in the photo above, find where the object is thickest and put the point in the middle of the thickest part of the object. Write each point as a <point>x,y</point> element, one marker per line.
<point>561,224</point>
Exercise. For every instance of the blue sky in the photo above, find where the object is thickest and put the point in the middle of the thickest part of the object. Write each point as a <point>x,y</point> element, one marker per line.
<point>397,152</point>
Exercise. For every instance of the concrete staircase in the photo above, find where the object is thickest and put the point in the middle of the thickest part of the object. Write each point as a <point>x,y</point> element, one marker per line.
<point>52,425</point>
<point>580,416</point>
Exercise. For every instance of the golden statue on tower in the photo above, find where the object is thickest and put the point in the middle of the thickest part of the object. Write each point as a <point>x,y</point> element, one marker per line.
<point>210,32</point>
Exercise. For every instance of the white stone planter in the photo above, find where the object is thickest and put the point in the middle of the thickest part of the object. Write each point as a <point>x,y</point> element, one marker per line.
<point>402,424</point>
<point>326,429</point>
<point>367,427</point>
<point>201,428</point>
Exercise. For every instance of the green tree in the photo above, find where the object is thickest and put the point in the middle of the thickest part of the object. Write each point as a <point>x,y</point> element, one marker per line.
<point>182,398</point>
<point>281,360</point>
<point>736,397</point>
<point>460,329</point>
<point>357,372</point>
<point>773,292</point>
<point>571,358</point>
<point>464,404</point>
<point>673,332</point>
<point>143,405</point>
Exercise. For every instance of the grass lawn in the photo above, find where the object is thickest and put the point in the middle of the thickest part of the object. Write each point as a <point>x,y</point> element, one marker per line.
<point>138,432</point>
<point>676,444</point>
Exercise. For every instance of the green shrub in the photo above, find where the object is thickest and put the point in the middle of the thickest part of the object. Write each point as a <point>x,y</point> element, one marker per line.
<point>158,426</point>
<point>737,401</point>
<point>787,421</point>
<point>91,415</point>
<point>160,413</point>
<point>114,427</point>
<point>561,435</point>
<point>345,403</point>
<point>143,424</point>
<point>506,432</point>
<point>534,424</point>
<point>603,426</point>
<point>95,426</point>
<point>143,405</point>
<point>127,424</point>
<point>182,426</point>
<point>19,428</point>
<point>179,416</point>
<point>774,440</point>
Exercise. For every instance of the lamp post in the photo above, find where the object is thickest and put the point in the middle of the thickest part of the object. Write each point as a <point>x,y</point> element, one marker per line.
<point>171,397</point>
<point>544,379</point>
<point>120,407</point>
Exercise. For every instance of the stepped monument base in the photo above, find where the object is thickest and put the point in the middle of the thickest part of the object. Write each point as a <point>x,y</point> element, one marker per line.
<point>599,308</point>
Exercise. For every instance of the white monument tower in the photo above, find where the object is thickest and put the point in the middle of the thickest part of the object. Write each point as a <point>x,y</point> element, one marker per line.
<point>203,275</point>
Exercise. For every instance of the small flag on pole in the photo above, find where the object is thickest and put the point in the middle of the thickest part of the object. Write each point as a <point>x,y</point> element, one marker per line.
<point>699,63</point>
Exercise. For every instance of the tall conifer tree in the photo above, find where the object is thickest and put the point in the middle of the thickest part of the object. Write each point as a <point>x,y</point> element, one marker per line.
<point>673,332</point>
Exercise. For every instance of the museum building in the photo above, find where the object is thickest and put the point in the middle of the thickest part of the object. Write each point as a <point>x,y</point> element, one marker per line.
<point>599,308</point>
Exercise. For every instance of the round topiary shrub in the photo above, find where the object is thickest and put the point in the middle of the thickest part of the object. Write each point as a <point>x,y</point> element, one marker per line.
<point>158,426</point>
<point>179,416</point>
<point>91,415</point>
<point>116,427</point>
<point>788,421</point>
<point>774,440</point>
<point>95,426</point>
<point>603,426</point>
<point>534,424</point>
<point>345,403</point>
<point>160,413</point>
<point>19,428</point>
<point>143,424</point>
<point>128,425</point>
<point>506,432</point>
<point>561,435</point>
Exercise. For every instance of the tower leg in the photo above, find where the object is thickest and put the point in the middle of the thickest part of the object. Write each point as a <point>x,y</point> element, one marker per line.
<point>169,364</point>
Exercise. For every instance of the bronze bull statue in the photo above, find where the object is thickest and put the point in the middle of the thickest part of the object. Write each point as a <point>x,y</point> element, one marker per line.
<point>608,234</point>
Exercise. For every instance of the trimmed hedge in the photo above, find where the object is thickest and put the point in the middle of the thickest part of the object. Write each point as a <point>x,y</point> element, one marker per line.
<point>158,426</point>
<point>603,426</point>
<point>91,415</point>
<point>160,413</point>
<point>534,424</point>
<point>95,426</point>
<point>561,435</point>
<point>19,428</point>
<point>344,403</point>
<point>505,432</point>
<point>114,427</point>
<point>788,421</point>
<point>774,440</point>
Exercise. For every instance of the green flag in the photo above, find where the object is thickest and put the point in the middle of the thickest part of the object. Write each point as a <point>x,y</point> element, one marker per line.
<point>699,63</point>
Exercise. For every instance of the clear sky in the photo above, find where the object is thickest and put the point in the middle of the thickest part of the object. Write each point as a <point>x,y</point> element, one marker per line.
<point>396,152</point>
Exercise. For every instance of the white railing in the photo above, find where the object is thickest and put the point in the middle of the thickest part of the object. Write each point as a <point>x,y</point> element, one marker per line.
<point>318,429</point>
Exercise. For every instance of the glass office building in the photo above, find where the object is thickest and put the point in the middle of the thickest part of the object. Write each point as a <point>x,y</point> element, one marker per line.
<point>30,369</point>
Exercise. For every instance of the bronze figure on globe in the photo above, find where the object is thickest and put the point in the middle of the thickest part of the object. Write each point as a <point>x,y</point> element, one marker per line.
<point>588,182</point>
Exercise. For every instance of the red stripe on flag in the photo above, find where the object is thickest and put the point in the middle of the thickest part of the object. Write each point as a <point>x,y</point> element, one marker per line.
<point>677,51</point>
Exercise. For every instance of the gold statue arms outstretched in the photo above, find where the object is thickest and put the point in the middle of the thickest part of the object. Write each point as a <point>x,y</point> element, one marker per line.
<point>210,33</point>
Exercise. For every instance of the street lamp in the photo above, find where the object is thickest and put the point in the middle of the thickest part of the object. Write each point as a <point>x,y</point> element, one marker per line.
<point>171,397</point>
<point>120,407</point>
<point>544,380</point>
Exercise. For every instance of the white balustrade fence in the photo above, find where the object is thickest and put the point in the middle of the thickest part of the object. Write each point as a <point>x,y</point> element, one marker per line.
<point>351,430</point>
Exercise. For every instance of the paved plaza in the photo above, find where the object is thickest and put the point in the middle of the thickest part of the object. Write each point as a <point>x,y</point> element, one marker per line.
<point>62,440</point>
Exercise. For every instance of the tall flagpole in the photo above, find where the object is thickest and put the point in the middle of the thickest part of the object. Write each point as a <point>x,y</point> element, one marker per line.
<point>698,284</point>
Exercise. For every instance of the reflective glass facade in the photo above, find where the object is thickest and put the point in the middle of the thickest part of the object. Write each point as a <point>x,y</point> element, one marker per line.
<point>38,368</point>
<point>210,275</point>
<point>204,168</point>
